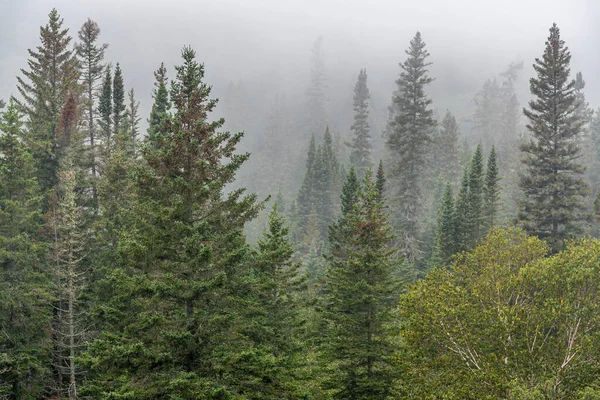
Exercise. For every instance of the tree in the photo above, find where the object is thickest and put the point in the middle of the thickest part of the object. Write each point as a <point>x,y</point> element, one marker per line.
<point>447,151</point>
<point>118,107</point>
<point>90,56</point>
<point>315,94</point>
<point>476,198</point>
<point>380,180</point>
<point>189,257</point>
<point>360,296</point>
<point>491,193</point>
<point>133,118</point>
<point>105,111</point>
<point>410,127</point>
<point>505,321</point>
<point>552,185</point>
<point>361,145</point>
<point>24,298</point>
<point>52,75</point>
<point>462,221</point>
<point>161,106</point>
<point>446,230</point>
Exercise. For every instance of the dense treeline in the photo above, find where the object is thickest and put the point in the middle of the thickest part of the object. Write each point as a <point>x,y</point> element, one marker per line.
<point>128,272</point>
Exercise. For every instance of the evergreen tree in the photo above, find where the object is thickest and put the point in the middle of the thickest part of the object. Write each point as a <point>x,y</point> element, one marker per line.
<point>462,221</point>
<point>360,297</point>
<point>91,55</point>
<point>361,145</point>
<point>52,75</point>
<point>316,98</point>
<point>325,181</point>
<point>187,242</point>
<point>118,108</point>
<point>105,111</point>
<point>24,298</point>
<point>553,187</point>
<point>380,180</point>
<point>447,152</point>
<point>410,127</point>
<point>476,198</point>
<point>133,119</point>
<point>161,106</point>
<point>491,192</point>
<point>446,229</point>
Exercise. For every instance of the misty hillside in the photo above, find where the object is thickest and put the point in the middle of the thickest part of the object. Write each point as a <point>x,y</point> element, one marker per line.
<point>299,200</point>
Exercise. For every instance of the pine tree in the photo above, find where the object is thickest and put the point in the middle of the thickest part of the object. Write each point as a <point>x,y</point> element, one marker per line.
<point>462,221</point>
<point>380,180</point>
<point>316,98</point>
<point>118,107</point>
<point>360,297</point>
<point>476,198</point>
<point>361,145</point>
<point>187,242</point>
<point>161,106</point>
<point>553,187</point>
<point>90,56</point>
<point>133,119</point>
<point>304,202</point>
<point>325,181</point>
<point>447,151</point>
<point>446,229</point>
<point>105,111</point>
<point>410,127</point>
<point>52,75</point>
<point>24,298</point>
<point>491,192</point>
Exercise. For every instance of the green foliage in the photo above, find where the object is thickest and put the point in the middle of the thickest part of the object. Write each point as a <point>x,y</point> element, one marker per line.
<point>476,200</point>
<point>491,193</point>
<point>359,298</point>
<point>118,97</point>
<point>553,188</point>
<point>447,151</point>
<point>361,145</point>
<point>446,230</point>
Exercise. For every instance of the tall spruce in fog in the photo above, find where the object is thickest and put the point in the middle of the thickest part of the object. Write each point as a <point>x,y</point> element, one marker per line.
<point>447,149</point>
<point>361,145</point>
<point>380,177</point>
<point>316,98</point>
<point>410,128</point>
<point>53,73</point>
<point>132,114</point>
<point>161,106</point>
<point>118,108</point>
<point>462,214</point>
<point>187,241</point>
<point>491,194</point>
<point>24,298</point>
<point>445,240</point>
<point>360,297</point>
<point>105,110</point>
<point>325,180</point>
<point>553,188</point>
<point>476,197</point>
<point>91,57</point>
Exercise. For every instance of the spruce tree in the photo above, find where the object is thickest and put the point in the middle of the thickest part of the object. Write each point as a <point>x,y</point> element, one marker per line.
<point>25,313</point>
<point>91,55</point>
<point>380,180</point>
<point>462,221</point>
<point>476,198</point>
<point>361,145</point>
<point>491,192</point>
<point>161,106</point>
<point>53,74</point>
<point>447,151</point>
<point>359,300</point>
<point>410,128</point>
<point>105,111</point>
<point>118,107</point>
<point>446,229</point>
<point>133,119</point>
<point>315,94</point>
<point>553,188</point>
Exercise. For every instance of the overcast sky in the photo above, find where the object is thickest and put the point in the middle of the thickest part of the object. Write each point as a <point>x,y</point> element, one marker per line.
<point>469,40</point>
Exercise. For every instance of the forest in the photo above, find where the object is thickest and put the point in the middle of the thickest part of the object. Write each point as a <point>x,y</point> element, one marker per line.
<point>346,256</point>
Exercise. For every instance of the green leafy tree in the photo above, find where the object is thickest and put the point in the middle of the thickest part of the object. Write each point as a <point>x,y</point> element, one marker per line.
<point>25,314</point>
<point>553,187</point>
<point>361,145</point>
<point>360,296</point>
<point>53,74</point>
<point>410,127</point>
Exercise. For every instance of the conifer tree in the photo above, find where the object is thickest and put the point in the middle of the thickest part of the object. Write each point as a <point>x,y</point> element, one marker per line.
<point>446,229</point>
<point>118,107</point>
<point>410,128</point>
<point>360,297</point>
<point>447,152</point>
<point>553,188</point>
<point>316,98</point>
<point>161,106</point>
<point>380,180</point>
<point>325,181</point>
<point>491,192</point>
<point>53,74</point>
<point>91,55</point>
<point>462,221</point>
<point>133,119</point>
<point>476,198</point>
<point>24,297</point>
<point>105,111</point>
<point>361,145</point>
